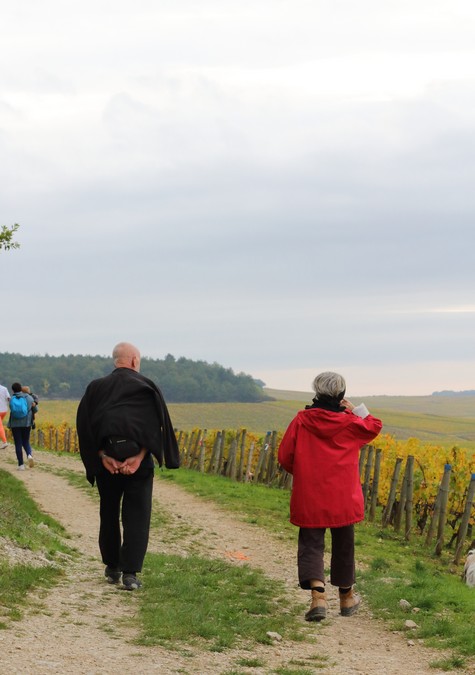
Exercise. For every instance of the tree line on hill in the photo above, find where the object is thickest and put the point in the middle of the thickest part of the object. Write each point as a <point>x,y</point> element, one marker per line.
<point>180,380</point>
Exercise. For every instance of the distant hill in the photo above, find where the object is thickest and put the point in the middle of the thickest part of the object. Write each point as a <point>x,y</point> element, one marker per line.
<point>448,392</point>
<point>443,419</point>
<point>288,395</point>
<point>458,404</point>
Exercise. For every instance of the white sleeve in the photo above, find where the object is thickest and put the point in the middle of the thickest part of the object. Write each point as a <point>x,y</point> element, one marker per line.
<point>361,411</point>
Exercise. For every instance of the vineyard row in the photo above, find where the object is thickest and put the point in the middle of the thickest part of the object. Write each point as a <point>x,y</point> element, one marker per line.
<point>419,488</point>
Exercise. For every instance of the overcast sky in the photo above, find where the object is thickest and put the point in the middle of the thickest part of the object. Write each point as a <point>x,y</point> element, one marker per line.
<point>279,186</point>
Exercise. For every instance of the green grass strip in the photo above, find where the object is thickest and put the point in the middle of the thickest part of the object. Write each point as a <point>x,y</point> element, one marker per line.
<point>446,605</point>
<point>25,528</point>
<point>393,569</point>
<point>193,599</point>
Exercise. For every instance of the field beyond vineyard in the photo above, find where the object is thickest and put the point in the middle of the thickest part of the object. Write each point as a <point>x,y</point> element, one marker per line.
<point>441,420</point>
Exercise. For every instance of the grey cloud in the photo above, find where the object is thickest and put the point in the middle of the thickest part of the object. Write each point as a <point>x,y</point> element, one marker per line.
<point>8,112</point>
<point>272,228</point>
<point>126,115</point>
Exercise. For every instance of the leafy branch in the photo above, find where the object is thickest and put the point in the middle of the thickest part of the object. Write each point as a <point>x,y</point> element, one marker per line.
<point>6,237</point>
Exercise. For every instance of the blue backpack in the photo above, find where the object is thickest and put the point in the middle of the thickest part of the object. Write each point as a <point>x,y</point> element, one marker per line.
<point>18,407</point>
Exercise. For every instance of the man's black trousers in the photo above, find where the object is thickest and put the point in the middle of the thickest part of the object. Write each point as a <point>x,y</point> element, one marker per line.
<point>127,499</point>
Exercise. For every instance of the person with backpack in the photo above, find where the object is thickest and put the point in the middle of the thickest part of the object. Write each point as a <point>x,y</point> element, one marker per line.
<point>21,418</point>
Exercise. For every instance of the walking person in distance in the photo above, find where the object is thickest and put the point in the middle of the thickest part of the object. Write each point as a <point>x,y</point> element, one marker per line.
<point>320,448</point>
<point>35,398</point>
<point>22,407</point>
<point>122,420</point>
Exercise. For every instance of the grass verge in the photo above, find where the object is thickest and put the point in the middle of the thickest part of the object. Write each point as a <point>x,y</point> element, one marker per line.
<point>441,606</point>
<point>391,569</point>
<point>32,548</point>
<point>194,601</point>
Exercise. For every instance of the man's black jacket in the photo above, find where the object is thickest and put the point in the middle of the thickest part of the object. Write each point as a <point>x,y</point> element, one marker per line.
<point>124,403</point>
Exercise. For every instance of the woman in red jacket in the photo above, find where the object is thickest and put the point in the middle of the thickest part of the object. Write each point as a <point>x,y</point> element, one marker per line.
<point>321,450</point>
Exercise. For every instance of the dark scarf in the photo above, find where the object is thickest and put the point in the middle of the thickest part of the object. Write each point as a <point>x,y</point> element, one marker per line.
<point>325,402</point>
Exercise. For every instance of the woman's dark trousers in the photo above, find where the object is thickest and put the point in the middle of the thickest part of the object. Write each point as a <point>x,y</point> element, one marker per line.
<point>127,499</point>
<point>310,556</point>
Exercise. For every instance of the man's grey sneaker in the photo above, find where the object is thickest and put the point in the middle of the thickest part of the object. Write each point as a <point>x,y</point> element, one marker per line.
<point>112,574</point>
<point>21,467</point>
<point>31,462</point>
<point>130,581</point>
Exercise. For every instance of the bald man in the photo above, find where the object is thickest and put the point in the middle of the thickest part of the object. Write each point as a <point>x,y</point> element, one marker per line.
<point>122,420</point>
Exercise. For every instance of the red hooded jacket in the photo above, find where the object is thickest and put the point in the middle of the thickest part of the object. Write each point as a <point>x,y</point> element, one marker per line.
<point>321,449</point>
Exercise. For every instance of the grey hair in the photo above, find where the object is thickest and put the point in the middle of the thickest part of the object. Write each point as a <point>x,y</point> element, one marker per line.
<point>329,384</point>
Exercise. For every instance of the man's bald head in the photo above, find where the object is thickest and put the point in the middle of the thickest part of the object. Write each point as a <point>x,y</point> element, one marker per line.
<point>126,355</point>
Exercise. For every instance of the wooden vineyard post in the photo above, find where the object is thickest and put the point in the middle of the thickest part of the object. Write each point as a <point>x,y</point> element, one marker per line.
<point>444,497</point>
<point>179,439</point>
<point>434,518</point>
<point>242,451</point>
<point>221,452</point>
<point>248,476</point>
<point>392,493</point>
<point>194,454</point>
<point>367,474</point>
<point>409,496</point>
<point>261,463</point>
<point>462,533</point>
<point>231,465</point>
<point>213,460</point>
<point>271,463</point>
<point>402,502</point>
<point>181,449</point>
<point>201,463</point>
<point>188,449</point>
<point>375,488</point>
<point>362,459</point>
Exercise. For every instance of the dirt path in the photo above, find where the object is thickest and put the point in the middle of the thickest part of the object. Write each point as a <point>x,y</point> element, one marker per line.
<point>76,627</point>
